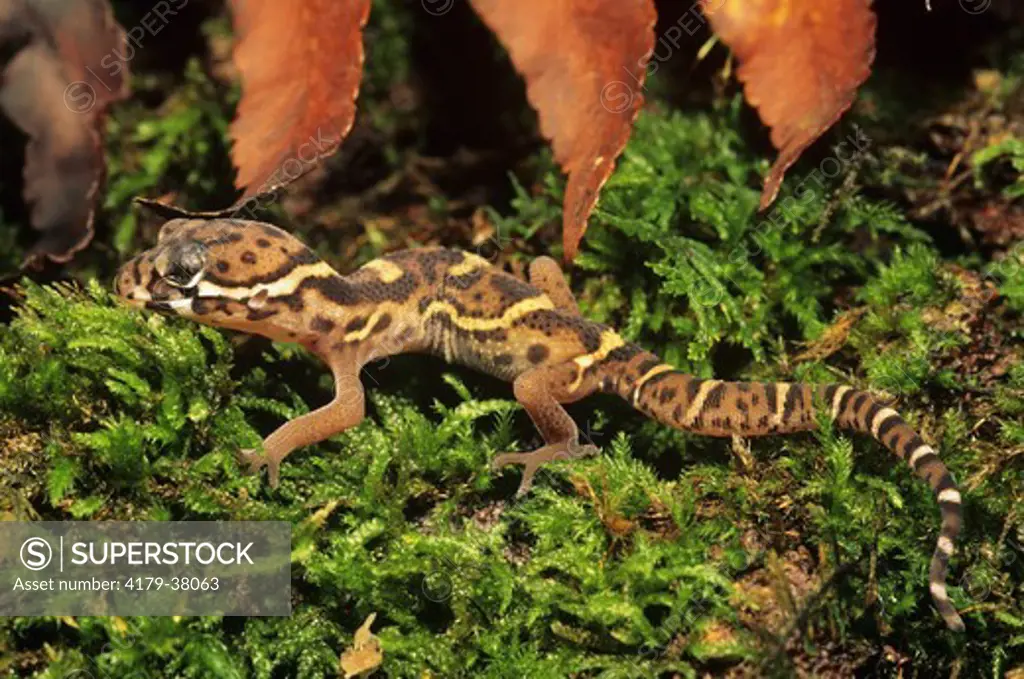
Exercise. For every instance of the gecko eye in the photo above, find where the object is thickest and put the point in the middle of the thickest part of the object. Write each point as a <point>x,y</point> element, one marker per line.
<point>186,265</point>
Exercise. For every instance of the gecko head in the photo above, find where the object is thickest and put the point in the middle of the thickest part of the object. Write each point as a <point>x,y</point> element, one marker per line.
<point>223,272</point>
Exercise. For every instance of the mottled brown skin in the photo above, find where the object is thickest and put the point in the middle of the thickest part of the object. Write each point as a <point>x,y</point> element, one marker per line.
<point>256,278</point>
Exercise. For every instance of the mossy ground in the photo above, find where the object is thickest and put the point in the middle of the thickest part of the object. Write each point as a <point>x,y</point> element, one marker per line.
<point>667,555</point>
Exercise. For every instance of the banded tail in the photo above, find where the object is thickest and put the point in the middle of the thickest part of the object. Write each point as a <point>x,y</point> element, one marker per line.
<point>717,408</point>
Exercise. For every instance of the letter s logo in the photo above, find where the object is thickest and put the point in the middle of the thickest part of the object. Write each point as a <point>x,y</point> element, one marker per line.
<point>36,554</point>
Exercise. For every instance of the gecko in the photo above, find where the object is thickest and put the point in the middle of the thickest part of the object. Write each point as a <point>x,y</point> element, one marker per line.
<point>256,278</point>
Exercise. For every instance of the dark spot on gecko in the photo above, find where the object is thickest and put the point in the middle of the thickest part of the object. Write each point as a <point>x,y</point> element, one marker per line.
<point>646,365</point>
<point>499,335</point>
<point>677,413</point>
<point>925,460</point>
<point>588,332</point>
<point>944,482</point>
<point>333,288</point>
<point>537,353</point>
<point>890,423</point>
<point>714,398</point>
<point>224,238</point>
<point>844,403</point>
<point>858,402</point>
<point>293,302</point>
<point>625,353</point>
<point>223,266</point>
<point>692,389</point>
<point>465,281</point>
<point>657,378</point>
<point>248,257</point>
<point>321,324</point>
<point>512,289</point>
<point>502,360</point>
<point>263,242</point>
<point>771,394</point>
<point>741,405</point>
<point>383,323</point>
<point>356,324</point>
<point>431,260</point>
<point>260,314</point>
<point>376,291</point>
<point>794,402</point>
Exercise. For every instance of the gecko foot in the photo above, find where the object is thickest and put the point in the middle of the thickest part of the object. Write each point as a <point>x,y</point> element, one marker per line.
<point>534,460</point>
<point>254,460</point>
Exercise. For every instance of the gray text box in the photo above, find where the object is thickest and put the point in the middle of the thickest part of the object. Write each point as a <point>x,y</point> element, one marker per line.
<point>145,568</point>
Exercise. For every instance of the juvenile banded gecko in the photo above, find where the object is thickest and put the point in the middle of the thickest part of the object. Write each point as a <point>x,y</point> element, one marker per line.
<point>257,278</point>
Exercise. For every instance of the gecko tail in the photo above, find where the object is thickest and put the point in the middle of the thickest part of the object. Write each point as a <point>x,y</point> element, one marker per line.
<point>718,408</point>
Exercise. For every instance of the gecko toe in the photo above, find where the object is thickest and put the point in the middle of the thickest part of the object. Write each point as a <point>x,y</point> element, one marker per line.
<point>534,460</point>
<point>252,460</point>
<point>273,473</point>
<point>505,459</point>
<point>586,450</point>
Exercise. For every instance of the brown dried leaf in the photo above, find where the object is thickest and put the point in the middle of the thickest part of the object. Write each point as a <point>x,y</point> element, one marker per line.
<point>301,64</point>
<point>616,524</point>
<point>63,73</point>
<point>801,62</point>
<point>365,654</point>
<point>833,339</point>
<point>584,66</point>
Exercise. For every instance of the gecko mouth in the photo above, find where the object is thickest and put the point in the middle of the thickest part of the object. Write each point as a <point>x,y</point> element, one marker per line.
<point>169,305</point>
<point>160,295</point>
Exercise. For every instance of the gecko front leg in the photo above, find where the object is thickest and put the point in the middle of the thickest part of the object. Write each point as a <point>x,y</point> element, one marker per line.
<point>345,410</point>
<point>542,391</point>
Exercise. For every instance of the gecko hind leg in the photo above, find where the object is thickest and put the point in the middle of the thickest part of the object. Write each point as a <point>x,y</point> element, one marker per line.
<point>542,391</point>
<point>546,275</point>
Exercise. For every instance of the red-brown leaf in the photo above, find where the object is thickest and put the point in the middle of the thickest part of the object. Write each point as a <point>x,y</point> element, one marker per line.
<point>63,73</point>
<point>801,62</point>
<point>301,63</point>
<point>584,66</point>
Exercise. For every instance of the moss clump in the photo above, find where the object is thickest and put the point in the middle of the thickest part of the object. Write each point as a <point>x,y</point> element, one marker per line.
<point>117,403</point>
